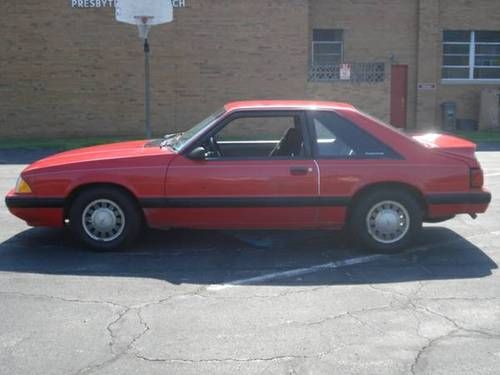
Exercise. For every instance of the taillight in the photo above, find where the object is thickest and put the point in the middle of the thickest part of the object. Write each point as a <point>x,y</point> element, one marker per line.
<point>476,178</point>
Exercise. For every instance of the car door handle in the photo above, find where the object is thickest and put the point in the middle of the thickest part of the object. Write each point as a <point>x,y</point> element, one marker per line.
<point>299,171</point>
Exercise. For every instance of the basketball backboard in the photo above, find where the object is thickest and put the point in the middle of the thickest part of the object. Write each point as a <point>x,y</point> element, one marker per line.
<point>148,12</point>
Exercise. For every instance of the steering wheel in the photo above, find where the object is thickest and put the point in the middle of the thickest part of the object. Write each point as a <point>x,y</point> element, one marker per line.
<point>214,147</point>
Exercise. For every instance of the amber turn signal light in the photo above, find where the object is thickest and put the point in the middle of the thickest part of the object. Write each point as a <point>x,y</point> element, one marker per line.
<point>22,186</point>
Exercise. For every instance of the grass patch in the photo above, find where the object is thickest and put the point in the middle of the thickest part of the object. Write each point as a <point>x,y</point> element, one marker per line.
<point>60,144</point>
<point>492,136</point>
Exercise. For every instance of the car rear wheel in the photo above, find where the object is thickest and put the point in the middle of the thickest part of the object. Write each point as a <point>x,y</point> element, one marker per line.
<point>105,219</point>
<point>386,220</point>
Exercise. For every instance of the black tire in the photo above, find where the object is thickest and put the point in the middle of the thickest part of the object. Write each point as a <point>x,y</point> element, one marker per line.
<point>130,218</point>
<point>365,231</point>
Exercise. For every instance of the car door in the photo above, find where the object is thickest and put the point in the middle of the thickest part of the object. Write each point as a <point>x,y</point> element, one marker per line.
<point>348,158</point>
<point>244,181</point>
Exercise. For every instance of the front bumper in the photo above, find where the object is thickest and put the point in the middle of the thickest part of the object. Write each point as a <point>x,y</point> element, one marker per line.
<point>36,211</point>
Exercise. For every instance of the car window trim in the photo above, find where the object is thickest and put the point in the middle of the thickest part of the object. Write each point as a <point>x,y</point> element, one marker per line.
<point>245,113</point>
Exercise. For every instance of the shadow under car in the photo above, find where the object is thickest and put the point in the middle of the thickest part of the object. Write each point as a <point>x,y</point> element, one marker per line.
<point>217,257</point>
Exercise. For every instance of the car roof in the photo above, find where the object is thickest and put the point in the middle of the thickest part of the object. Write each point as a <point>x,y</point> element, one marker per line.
<point>287,104</point>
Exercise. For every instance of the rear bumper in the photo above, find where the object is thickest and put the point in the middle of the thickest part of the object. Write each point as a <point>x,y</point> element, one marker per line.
<point>36,212</point>
<point>450,204</point>
<point>482,197</point>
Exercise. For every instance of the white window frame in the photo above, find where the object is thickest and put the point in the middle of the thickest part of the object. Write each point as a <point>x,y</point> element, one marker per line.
<point>472,63</point>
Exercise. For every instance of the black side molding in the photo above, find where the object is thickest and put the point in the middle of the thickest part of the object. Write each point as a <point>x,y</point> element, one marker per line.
<point>459,198</point>
<point>450,198</point>
<point>30,202</point>
<point>244,202</point>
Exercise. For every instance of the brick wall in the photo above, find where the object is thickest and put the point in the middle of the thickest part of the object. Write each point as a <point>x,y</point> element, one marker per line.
<point>428,61</point>
<point>374,31</point>
<point>76,72</point>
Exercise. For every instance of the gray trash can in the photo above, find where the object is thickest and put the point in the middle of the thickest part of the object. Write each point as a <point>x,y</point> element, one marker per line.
<point>449,116</point>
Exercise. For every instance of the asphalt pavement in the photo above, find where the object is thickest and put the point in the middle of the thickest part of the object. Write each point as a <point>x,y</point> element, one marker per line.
<point>213,302</point>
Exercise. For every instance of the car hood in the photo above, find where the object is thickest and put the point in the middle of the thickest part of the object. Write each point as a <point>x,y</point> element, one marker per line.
<point>122,150</point>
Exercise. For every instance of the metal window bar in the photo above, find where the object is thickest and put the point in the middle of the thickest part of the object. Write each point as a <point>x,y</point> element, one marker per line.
<point>359,72</point>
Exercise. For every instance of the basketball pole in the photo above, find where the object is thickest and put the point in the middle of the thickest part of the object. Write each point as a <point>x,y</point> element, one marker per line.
<point>147,89</point>
<point>144,14</point>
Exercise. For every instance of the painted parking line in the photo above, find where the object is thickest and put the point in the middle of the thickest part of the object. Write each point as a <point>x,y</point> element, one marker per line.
<point>336,264</point>
<point>491,174</point>
<point>298,272</point>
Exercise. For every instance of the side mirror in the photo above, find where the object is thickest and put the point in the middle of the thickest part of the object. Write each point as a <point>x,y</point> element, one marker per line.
<point>197,153</point>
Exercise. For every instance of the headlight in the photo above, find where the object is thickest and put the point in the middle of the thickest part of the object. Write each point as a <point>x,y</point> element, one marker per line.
<point>22,186</point>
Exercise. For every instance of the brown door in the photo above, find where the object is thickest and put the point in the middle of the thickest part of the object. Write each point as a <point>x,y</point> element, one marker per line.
<point>399,90</point>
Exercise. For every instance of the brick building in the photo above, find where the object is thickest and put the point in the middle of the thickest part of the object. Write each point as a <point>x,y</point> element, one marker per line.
<point>67,68</point>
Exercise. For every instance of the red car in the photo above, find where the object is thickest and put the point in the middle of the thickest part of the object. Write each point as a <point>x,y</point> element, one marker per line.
<point>259,165</point>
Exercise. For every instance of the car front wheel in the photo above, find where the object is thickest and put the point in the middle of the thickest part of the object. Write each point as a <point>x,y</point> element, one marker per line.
<point>105,219</point>
<point>386,220</point>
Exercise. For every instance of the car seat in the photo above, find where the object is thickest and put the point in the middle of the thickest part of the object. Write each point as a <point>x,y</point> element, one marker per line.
<point>289,145</point>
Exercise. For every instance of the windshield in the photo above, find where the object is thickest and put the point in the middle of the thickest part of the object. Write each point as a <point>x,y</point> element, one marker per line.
<point>183,138</point>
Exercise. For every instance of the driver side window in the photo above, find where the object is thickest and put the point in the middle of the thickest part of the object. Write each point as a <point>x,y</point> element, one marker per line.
<point>260,137</point>
<point>255,129</point>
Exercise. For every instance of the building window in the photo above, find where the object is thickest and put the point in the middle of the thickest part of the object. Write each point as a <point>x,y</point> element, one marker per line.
<point>471,55</point>
<point>327,47</point>
<point>327,61</point>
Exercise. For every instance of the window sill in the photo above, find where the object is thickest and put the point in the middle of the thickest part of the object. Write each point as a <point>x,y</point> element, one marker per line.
<point>470,82</point>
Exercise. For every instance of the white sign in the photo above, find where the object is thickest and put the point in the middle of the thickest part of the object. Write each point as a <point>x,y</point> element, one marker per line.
<point>426,86</point>
<point>82,4</point>
<point>345,72</point>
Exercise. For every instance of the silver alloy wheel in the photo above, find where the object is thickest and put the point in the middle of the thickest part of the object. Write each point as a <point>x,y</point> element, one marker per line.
<point>103,220</point>
<point>388,222</point>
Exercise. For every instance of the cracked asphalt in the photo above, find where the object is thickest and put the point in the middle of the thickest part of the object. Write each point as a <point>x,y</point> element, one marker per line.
<point>208,302</point>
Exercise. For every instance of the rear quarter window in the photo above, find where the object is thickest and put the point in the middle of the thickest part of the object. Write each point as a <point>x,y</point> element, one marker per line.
<point>339,138</point>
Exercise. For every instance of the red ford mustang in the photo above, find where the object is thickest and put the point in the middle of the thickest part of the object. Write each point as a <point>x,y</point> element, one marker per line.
<point>259,165</point>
